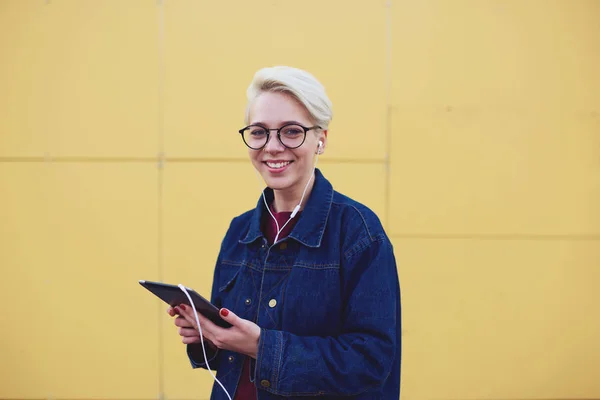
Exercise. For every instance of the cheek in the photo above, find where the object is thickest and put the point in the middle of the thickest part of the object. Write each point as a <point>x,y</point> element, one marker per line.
<point>253,154</point>
<point>305,157</point>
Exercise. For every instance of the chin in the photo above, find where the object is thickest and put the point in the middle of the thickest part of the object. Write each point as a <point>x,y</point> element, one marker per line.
<point>277,183</point>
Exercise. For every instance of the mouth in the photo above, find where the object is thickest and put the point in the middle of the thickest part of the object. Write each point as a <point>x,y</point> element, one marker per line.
<point>277,165</point>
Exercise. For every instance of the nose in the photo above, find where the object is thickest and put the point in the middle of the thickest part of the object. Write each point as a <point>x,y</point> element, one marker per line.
<point>273,144</point>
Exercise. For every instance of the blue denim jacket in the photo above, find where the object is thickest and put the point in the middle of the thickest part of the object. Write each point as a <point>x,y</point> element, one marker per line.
<point>327,300</point>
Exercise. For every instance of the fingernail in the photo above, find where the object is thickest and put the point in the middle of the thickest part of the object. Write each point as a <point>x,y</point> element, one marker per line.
<point>182,307</point>
<point>177,310</point>
<point>224,312</point>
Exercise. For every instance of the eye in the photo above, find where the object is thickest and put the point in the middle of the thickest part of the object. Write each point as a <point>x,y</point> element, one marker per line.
<point>258,131</point>
<point>292,131</point>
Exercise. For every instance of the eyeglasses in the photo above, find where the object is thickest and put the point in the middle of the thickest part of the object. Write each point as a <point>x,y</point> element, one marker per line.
<point>291,136</point>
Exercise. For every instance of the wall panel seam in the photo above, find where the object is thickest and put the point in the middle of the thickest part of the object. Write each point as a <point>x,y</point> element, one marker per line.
<point>507,237</point>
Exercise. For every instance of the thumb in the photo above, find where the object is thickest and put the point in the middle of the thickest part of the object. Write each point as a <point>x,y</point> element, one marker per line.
<point>229,316</point>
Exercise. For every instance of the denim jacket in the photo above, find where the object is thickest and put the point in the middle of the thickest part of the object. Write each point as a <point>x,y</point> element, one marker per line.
<point>326,297</point>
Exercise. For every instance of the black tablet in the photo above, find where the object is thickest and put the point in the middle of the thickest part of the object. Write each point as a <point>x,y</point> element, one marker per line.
<point>174,296</point>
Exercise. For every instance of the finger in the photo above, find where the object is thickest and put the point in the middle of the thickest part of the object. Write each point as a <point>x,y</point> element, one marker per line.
<point>186,319</point>
<point>187,313</point>
<point>190,340</point>
<point>208,329</point>
<point>183,323</point>
<point>230,317</point>
<point>188,332</point>
<point>205,323</point>
<point>171,311</point>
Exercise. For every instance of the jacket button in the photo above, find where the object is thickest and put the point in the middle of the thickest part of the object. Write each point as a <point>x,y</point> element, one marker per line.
<point>248,302</point>
<point>283,246</point>
<point>272,303</point>
<point>265,383</point>
<point>230,358</point>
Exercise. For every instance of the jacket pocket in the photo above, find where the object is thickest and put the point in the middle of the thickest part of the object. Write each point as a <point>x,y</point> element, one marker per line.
<point>230,280</point>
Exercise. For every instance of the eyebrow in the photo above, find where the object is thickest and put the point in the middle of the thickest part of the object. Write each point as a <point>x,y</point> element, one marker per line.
<point>282,123</point>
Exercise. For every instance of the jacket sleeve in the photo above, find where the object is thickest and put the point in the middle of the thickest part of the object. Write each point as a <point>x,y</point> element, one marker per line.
<point>360,358</point>
<point>194,351</point>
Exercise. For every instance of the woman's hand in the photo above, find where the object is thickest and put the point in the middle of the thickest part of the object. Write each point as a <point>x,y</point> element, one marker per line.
<point>186,330</point>
<point>242,337</point>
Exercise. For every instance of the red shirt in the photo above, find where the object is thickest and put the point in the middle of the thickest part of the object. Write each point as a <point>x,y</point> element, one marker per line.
<point>246,389</point>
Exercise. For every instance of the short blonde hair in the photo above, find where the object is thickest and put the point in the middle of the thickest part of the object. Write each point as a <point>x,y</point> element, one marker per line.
<point>300,84</point>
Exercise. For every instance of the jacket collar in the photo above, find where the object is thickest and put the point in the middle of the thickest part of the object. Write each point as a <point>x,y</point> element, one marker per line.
<point>310,227</point>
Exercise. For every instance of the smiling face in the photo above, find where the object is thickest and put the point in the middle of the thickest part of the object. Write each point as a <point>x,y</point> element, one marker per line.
<point>285,170</point>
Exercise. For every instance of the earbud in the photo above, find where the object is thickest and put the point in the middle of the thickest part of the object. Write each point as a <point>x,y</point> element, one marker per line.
<point>320,147</point>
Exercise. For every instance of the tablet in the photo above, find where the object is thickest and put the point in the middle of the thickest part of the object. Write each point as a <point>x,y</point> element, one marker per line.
<point>174,296</point>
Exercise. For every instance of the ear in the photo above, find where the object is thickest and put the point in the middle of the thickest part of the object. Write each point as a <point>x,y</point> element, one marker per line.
<point>323,138</point>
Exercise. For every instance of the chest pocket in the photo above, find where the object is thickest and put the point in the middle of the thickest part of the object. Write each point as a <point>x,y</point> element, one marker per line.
<point>229,278</point>
<point>230,289</point>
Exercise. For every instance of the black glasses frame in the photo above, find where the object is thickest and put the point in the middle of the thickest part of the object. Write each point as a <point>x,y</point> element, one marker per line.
<point>304,128</point>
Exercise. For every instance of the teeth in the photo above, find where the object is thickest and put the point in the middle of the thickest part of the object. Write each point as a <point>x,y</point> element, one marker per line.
<point>277,165</point>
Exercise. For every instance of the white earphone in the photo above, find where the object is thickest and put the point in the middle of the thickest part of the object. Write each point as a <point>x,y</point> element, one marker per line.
<point>183,288</point>
<point>320,147</point>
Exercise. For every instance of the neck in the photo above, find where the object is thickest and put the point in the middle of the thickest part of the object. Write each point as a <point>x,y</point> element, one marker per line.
<point>287,200</point>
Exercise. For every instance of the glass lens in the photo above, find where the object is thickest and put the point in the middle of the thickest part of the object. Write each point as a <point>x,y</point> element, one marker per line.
<point>255,136</point>
<point>292,136</point>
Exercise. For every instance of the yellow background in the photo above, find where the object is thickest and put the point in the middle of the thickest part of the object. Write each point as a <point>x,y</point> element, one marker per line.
<point>471,127</point>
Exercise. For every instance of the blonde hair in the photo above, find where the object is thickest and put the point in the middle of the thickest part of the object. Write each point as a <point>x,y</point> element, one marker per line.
<point>300,84</point>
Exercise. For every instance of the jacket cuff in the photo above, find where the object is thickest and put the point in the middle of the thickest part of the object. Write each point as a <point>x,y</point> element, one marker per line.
<point>196,356</point>
<point>268,360</point>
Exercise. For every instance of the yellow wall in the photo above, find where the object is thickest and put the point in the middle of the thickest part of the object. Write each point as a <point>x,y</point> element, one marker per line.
<point>471,127</point>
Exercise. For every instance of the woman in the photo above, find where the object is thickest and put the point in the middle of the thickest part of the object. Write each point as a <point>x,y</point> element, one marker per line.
<point>308,278</point>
